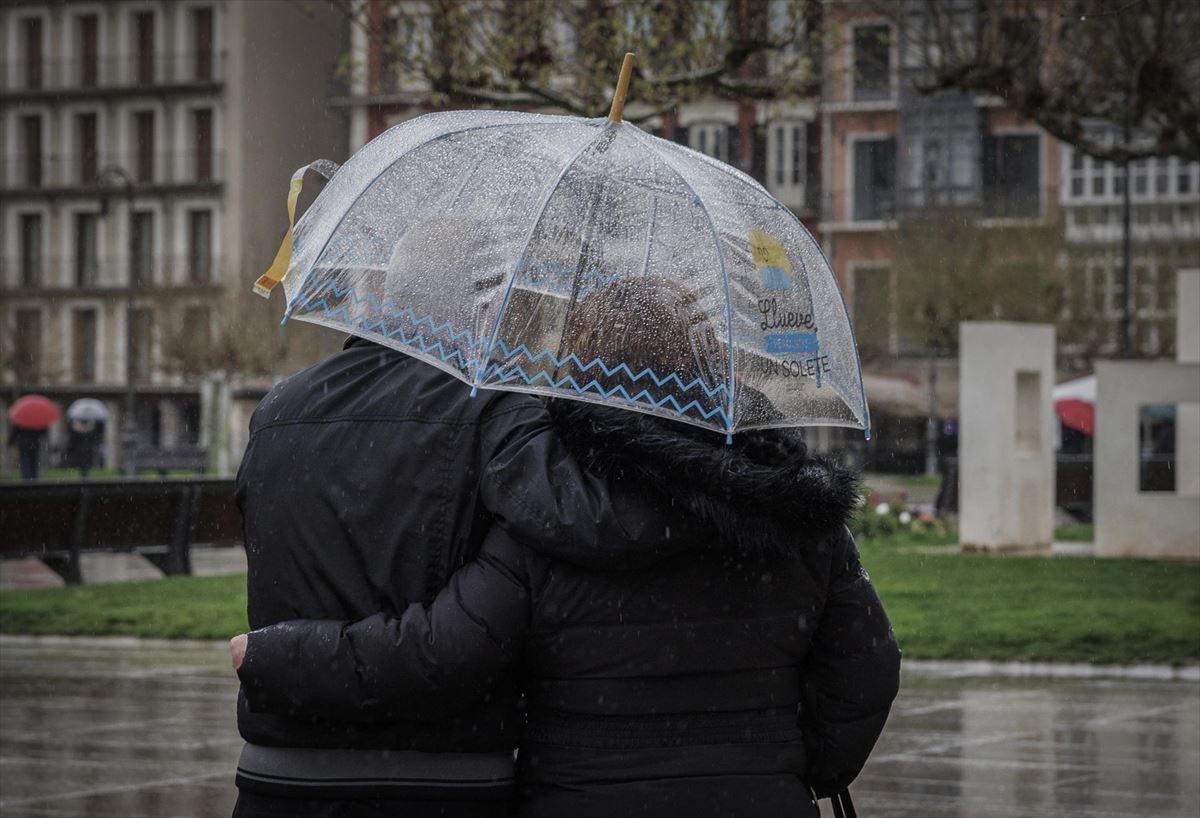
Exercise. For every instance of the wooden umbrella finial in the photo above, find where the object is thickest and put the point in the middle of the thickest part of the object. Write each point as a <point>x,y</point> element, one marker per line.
<point>618,103</point>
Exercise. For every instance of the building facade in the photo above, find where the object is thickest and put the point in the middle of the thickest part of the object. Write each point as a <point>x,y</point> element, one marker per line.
<point>148,141</point>
<point>898,164</point>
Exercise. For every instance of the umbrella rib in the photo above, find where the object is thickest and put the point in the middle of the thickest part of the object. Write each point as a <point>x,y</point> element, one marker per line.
<point>712,226</point>
<point>512,279</point>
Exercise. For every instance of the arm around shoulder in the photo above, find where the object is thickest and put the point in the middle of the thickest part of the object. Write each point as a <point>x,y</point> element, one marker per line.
<point>424,665</point>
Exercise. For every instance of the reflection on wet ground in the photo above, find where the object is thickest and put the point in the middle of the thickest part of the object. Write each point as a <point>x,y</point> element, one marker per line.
<point>132,730</point>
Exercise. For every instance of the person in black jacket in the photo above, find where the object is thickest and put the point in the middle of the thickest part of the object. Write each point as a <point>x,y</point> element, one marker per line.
<point>367,480</point>
<point>726,680</point>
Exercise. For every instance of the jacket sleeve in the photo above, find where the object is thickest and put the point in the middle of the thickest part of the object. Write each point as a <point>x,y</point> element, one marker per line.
<point>542,496</point>
<point>851,676</point>
<point>425,665</point>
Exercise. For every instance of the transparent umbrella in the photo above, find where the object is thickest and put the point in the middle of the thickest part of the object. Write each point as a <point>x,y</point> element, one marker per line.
<point>481,242</point>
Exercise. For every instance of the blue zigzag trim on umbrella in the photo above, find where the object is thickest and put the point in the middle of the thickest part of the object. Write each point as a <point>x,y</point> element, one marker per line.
<point>568,380</point>
<point>607,370</point>
<point>343,313</point>
<point>379,325</point>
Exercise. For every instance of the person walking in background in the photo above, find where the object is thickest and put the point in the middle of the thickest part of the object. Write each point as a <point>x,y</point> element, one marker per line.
<point>83,438</point>
<point>742,676</point>
<point>29,449</point>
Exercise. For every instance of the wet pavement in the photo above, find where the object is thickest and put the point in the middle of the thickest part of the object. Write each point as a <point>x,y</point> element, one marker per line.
<point>132,730</point>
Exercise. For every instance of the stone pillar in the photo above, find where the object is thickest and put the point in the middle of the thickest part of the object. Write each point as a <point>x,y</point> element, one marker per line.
<point>1130,522</point>
<point>215,408</point>
<point>1006,435</point>
<point>1187,351</point>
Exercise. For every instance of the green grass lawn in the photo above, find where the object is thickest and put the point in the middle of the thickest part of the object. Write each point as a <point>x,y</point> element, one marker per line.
<point>902,480</point>
<point>943,606</point>
<point>1080,532</point>
<point>94,474</point>
<point>172,607</point>
<point>964,606</point>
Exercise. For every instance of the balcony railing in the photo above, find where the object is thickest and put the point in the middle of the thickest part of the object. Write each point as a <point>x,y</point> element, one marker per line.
<point>111,73</point>
<point>109,274</point>
<point>162,168</point>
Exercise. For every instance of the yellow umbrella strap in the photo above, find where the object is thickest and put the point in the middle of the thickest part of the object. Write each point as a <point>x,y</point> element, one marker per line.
<point>278,270</point>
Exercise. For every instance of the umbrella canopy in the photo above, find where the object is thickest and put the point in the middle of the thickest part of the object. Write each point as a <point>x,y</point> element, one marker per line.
<point>474,240</point>
<point>33,412</point>
<point>88,409</point>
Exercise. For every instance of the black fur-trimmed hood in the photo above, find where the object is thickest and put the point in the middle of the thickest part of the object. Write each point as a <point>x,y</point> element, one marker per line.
<point>763,493</point>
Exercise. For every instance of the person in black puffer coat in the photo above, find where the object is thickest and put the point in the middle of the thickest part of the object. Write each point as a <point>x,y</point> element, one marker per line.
<point>741,677</point>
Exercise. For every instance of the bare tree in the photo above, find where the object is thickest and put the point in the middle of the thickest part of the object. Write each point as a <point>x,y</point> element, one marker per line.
<point>1070,64</point>
<point>241,338</point>
<point>951,269</point>
<point>565,56</point>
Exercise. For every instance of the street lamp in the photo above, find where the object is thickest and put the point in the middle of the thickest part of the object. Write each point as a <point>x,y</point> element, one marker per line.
<point>111,177</point>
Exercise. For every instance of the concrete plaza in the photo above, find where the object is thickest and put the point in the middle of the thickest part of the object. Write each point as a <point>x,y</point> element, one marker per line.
<point>132,729</point>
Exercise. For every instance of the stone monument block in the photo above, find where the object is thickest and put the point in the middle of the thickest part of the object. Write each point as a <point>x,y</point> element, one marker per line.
<point>1131,522</point>
<point>1006,435</point>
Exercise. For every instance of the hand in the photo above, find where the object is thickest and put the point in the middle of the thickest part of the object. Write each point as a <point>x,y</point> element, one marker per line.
<point>237,649</point>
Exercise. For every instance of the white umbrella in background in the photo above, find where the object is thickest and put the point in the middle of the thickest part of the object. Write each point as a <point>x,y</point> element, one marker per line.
<point>88,409</point>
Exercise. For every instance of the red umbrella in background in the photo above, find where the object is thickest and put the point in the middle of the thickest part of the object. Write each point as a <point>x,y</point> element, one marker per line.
<point>33,412</point>
<point>1075,404</point>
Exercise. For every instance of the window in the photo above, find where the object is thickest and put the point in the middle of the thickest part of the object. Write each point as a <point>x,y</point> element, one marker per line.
<point>83,346</point>
<point>1183,182</point>
<point>31,249</point>
<point>202,44</point>
<point>31,149</point>
<point>1162,179</point>
<point>200,246</point>
<point>202,142</point>
<point>872,63</point>
<point>874,184</point>
<point>141,247</point>
<point>142,339</point>
<point>85,250</point>
<point>143,126</point>
<point>27,346</point>
<point>873,310</point>
<point>1011,175</point>
<point>715,139</point>
<point>788,153</point>
<point>143,46</point>
<point>85,142</point>
<point>31,31</point>
<point>1140,177</point>
<point>89,50</point>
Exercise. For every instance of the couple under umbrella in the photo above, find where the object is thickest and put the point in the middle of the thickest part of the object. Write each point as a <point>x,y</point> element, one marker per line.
<point>546,542</point>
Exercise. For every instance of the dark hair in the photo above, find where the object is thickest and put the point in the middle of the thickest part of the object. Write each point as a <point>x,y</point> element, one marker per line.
<point>655,323</point>
<point>645,323</point>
